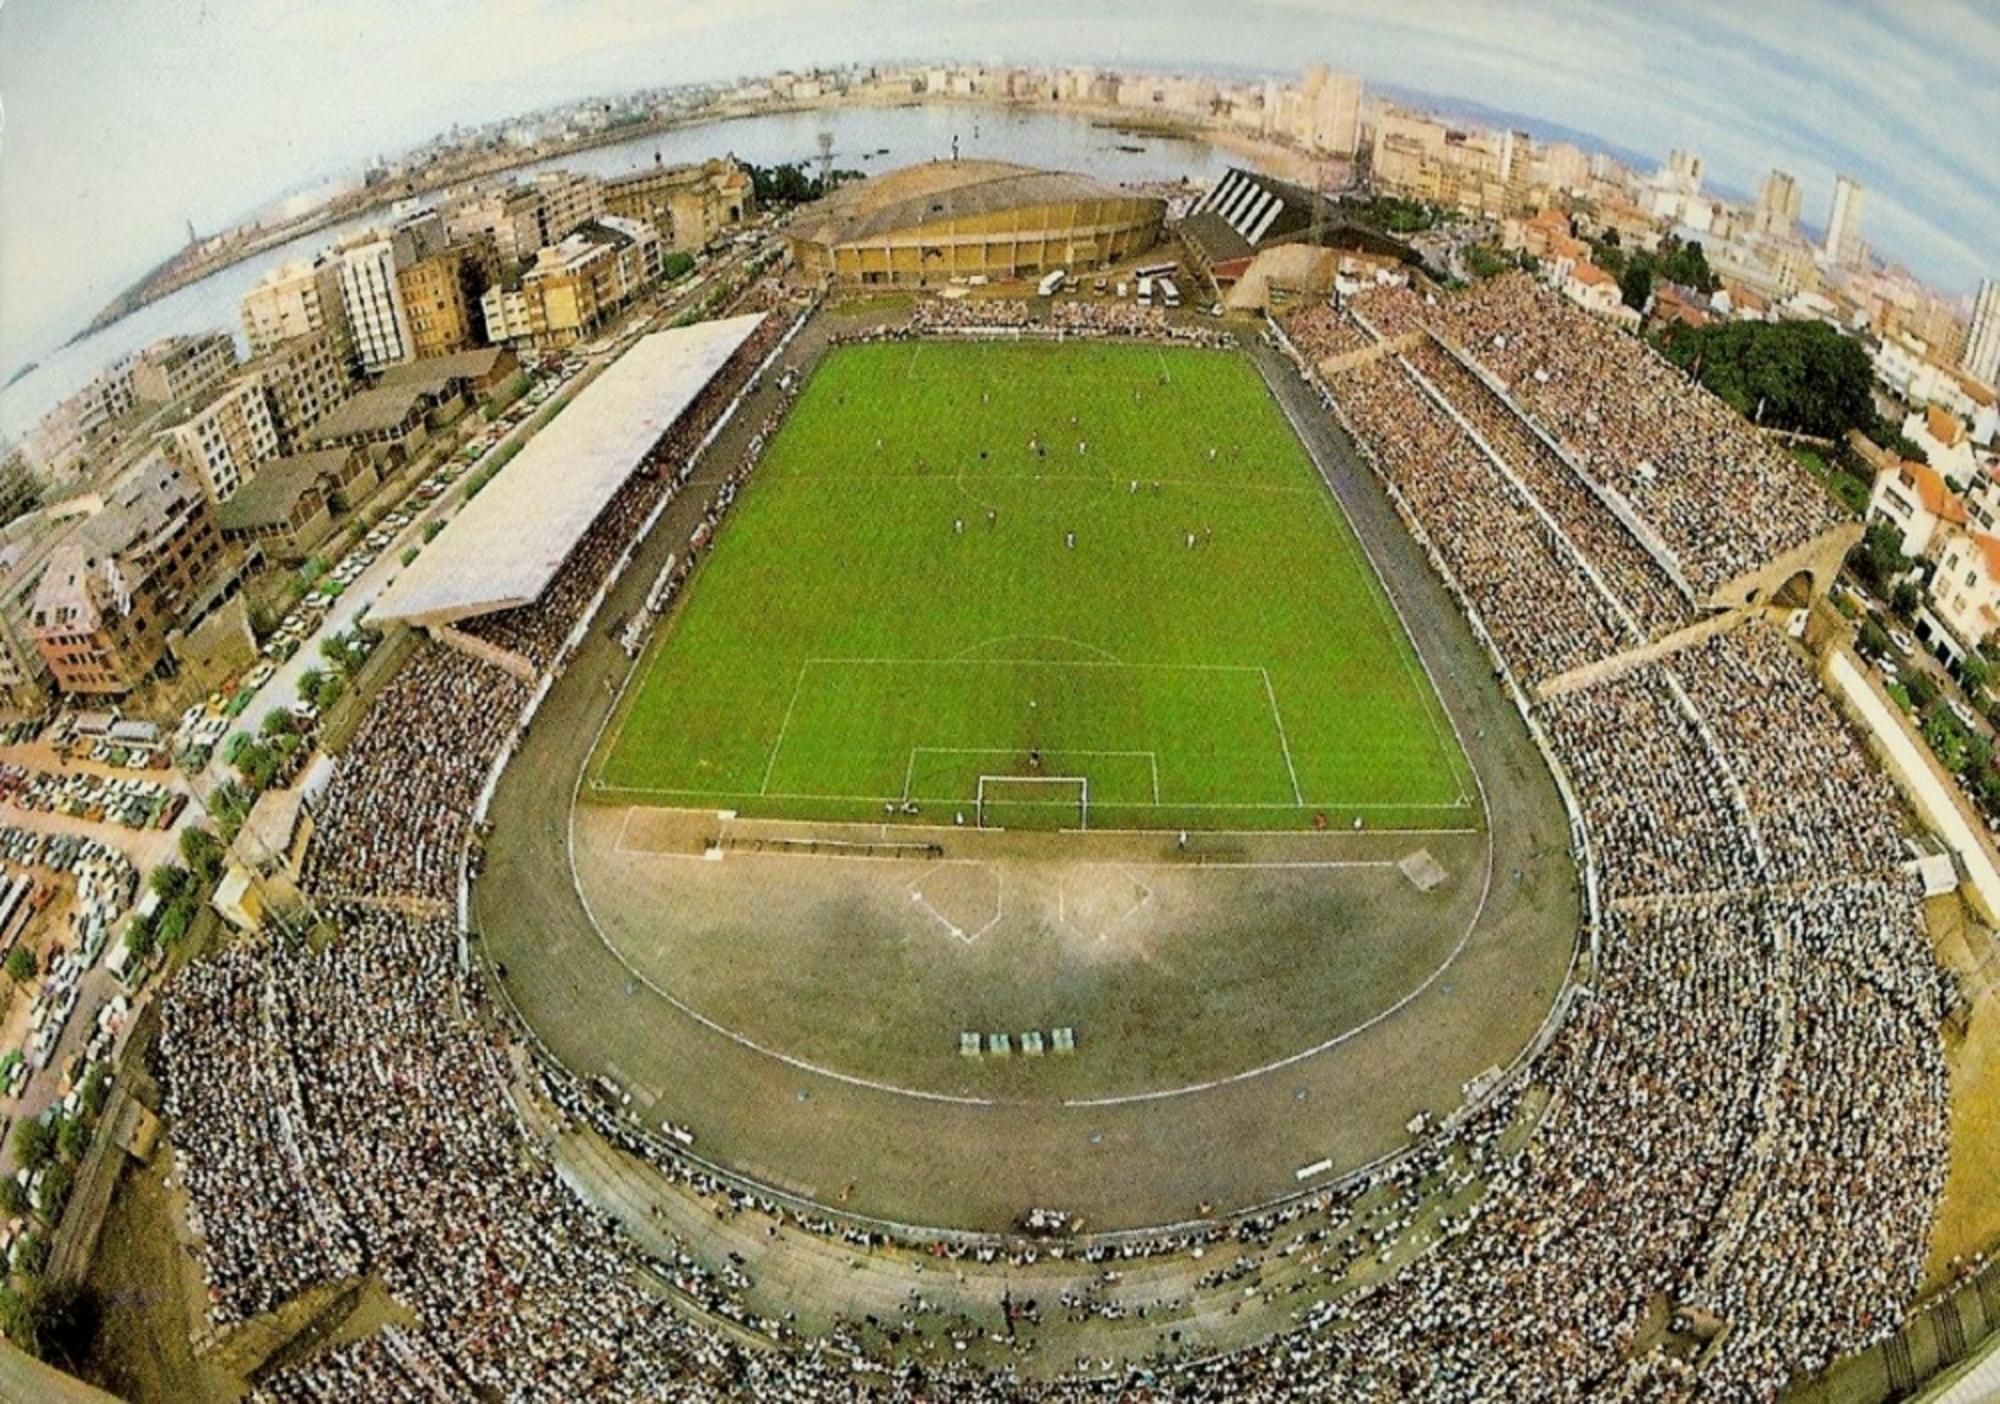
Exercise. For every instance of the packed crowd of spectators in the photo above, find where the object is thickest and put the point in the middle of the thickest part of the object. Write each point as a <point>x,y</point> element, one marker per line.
<point>396,815</point>
<point>1826,811</point>
<point>1722,499</point>
<point>1391,311</point>
<point>1529,593</point>
<point>1717,1140</point>
<point>1663,816</point>
<point>1643,588</point>
<point>1322,332</point>
<point>1067,318</point>
<point>1738,1136</point>
<point>372,1134</point>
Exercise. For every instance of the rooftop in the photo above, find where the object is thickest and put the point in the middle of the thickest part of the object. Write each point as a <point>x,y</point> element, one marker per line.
<point>940,190</point>
<point>504,548</point>
<point>387,406</point>
<point>276,487</point>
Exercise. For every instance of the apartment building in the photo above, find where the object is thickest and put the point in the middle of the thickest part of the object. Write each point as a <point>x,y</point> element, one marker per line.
<point>301,298</point>
<point>1981,358</point>
<point>25,544</point>
<point>575,286</point>
<point>182,367</point>
<point>687,205</point>
<point>304,378</point>
<point>510,219</point>
<point>224,436</point>
<point>371,294</point>
<point>441,296</point>
<point>115,588</point>
<point>1418,157</point>
<point>521,219</point>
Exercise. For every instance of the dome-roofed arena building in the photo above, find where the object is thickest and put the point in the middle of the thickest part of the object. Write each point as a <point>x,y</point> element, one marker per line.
<point>932,223</point>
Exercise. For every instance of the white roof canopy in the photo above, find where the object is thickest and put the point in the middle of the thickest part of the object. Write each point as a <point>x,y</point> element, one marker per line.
<point>506,545</point>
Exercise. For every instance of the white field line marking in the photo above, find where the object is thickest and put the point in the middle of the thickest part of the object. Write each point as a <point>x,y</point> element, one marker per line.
<point>1283,744</point>
<point>617,790</point>
<point>1430,697</point>
<point>786,725</point>
<point>1062,898</point>
<point>999,898</point>
<point>965,655</point>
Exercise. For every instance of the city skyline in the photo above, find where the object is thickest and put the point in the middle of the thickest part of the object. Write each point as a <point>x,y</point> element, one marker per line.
<point>90,207</point>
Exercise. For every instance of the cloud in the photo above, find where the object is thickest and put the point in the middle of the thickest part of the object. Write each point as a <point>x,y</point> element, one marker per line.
<point>127,117</point>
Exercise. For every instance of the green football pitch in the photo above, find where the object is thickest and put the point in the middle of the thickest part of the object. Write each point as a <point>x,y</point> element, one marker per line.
<point>1033,585</point>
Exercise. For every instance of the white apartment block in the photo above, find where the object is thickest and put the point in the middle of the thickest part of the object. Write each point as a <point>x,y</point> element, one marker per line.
<point>376,318</point>
<point>1982,348</point>
<point>225,438</point>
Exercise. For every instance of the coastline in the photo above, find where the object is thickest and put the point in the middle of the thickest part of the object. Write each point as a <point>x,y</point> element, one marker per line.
<point>173,274</point>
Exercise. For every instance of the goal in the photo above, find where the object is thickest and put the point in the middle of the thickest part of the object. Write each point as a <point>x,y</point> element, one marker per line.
<point>1033,802</point>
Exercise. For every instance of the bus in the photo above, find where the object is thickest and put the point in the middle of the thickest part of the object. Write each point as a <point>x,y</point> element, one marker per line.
<point>1052,282</point>
<point>1146,291</point>
<point>1156,270</point>
<point>1169,294</point>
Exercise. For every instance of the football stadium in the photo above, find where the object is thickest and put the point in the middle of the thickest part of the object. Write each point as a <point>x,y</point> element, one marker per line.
<point>1018,844</point>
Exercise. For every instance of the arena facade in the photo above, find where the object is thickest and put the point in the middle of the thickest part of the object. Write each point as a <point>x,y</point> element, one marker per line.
<point>928,225</point>
<point>1708,1167</point>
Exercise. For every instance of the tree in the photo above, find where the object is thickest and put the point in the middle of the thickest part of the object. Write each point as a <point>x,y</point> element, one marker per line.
<point>66,1317</point>
<point>34,1143</point>
<point>310,682</point>
<point>171,881</point>
<point>13,1199</point>
<point>96,1090</point>
<point>1485,261</point>
<point>1874,639</point>
<point>31,1255</point>
<point>1803,376</point>
<point>203,853</point>
<point>21,965</point>
<point>57,1181</point>
<point>1905,600</point>
<point>784,184</point>
<point>277,722</point>
<point>335,651</point>
<point>16,1320</point>
<point>1923,692</point>
<point>72,1139</point>
<point>1974,671</point>
<point>259,764</point>
<point>142,937</point>
<point>1879,558</point>
<point>1635,285</point>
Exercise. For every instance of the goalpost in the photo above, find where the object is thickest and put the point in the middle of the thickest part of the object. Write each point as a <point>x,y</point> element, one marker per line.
<point>1033,801</point>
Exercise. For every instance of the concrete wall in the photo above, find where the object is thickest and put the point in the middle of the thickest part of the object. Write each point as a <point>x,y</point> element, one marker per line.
<point>1930,791</point>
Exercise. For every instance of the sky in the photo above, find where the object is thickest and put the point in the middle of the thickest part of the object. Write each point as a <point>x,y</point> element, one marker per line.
<point>124,119</point>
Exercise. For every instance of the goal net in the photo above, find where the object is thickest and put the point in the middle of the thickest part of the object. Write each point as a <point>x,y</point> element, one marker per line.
<point>1033,802</point>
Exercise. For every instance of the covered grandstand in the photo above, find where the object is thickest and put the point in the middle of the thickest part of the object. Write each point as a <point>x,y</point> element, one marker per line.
<point>502,550</point>
<point>1248,213</point>
<point>950,220</point>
